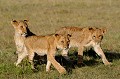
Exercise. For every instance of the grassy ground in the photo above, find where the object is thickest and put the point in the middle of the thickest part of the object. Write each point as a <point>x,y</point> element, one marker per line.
<point>45,16</point>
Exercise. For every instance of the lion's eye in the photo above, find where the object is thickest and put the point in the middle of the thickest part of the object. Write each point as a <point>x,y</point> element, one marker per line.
<point>100,35</point>
<point>94,36</point>
<point>62,41</point>
<point>68,41</point>
<point>21,26</point>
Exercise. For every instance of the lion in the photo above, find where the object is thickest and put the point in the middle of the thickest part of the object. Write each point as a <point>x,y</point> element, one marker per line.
<point>42,45</point>
<point>21,32</point>
<point>47,45</point>
<point>85,37</point>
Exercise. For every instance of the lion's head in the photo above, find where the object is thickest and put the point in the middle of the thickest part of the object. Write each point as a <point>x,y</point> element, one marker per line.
<point>62,41</point>
<point>20,26</point>
<point>97,34</point>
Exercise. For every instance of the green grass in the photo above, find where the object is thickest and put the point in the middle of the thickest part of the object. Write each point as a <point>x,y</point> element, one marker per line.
<point>45,16</point>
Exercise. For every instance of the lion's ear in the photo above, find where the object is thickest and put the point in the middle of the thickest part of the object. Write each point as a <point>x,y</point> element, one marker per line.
<point>56,35</point>
<point>14,23</point>
<point>104,30</point>
<point>84,29</point>
<point>26,21</point>
<point>68,35</point>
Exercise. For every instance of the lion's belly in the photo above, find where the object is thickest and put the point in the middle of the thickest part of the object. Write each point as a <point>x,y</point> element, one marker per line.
<point>41,52</point>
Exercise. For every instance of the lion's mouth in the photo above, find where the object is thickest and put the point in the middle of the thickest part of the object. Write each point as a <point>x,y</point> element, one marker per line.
<point>24,34</point>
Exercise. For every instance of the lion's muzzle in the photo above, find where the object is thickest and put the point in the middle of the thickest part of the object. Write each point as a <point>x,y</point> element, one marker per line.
<point>24,34</point>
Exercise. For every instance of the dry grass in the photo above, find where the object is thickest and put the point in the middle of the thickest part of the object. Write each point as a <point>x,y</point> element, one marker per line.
<point>45,16</point>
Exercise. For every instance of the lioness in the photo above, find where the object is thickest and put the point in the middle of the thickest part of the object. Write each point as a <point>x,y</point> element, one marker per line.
<point>84,37</point>
<point>42,45</point>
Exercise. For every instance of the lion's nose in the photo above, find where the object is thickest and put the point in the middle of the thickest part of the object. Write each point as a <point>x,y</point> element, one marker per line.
<point>66,47</point>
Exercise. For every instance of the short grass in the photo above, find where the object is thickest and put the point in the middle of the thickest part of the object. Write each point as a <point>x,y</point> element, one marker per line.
<point>45,16</point>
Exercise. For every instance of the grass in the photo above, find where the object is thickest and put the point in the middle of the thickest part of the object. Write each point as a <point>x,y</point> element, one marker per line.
<point>45,16</point>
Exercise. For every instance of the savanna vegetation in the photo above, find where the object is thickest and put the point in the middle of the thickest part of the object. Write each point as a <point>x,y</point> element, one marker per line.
<point>45,16</point>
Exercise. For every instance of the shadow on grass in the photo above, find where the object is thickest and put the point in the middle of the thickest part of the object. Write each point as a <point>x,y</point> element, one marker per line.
<point>39,60</point>
<point>109,55</point>
<point>72,63</point>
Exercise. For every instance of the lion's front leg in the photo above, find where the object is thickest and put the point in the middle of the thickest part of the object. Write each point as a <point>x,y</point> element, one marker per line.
<point>16,52</point>
<point>80,55</point>
<point>50,57</point>
<point>99,51</point>
<point>19,48</point>
<point>48,66</point>
<point>21,56</point>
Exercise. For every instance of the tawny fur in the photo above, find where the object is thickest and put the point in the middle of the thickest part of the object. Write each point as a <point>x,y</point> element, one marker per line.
<point>85,37</point>
<point>43,45</point>
<point>28,43</point>
<point>19,36</point>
